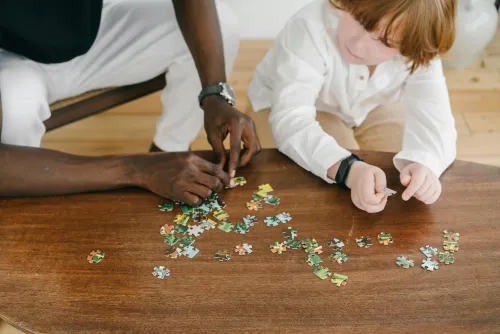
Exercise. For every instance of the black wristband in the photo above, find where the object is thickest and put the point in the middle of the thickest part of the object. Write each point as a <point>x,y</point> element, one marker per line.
<point>344,168</point>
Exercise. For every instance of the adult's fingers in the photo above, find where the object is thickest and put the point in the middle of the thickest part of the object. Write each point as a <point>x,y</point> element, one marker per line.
<point>199,190</point>
<point>416,182</point>
<point>252,144</point>
<point>235,148</point>
<point>215,170</point>
<point>210,181</point>
<point>190,199</point>
<point>217,144</point>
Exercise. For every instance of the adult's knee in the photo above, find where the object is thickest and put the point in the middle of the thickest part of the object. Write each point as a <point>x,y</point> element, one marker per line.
<point>24,106</point>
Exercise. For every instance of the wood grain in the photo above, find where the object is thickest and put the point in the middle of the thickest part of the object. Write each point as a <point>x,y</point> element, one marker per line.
<point>46,285</point>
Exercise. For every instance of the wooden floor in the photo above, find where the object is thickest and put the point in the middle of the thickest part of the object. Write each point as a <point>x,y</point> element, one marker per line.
<point>475,95</point>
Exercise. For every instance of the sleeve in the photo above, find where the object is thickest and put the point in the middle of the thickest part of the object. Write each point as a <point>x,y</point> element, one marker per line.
<point>430,135</point>
<point>299,78</point>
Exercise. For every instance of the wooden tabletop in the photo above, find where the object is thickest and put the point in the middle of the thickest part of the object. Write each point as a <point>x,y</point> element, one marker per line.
<point>47,285</point>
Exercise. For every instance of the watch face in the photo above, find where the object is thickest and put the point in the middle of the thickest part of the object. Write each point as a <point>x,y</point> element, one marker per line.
<point>228,93</point>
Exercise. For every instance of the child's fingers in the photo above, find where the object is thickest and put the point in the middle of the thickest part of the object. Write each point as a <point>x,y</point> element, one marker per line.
<point>425,188</point>
<point>416,182</point>
<point>431,189</point>
<point>433,198</point>
<point>368,195</point>
<point>380,180</point>
<point>376,208</point>
<point>405,179</point>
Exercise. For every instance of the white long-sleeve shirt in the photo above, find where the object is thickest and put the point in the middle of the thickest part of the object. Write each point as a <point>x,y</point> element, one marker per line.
<point>305,72</point>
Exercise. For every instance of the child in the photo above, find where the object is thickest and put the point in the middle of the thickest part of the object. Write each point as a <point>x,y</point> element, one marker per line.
<point>333,81</point>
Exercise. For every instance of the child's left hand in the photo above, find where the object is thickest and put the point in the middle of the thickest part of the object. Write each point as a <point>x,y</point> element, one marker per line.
<point>421,183</point>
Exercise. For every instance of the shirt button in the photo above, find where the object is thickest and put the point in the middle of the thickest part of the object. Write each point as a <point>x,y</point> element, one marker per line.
<point>362,77</point>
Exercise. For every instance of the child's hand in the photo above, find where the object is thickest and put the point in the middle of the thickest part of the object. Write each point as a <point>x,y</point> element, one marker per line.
<point>421,183</point>
<point>367,183</point>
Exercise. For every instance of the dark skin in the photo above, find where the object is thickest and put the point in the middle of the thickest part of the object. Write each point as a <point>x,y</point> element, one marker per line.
<point>41,172</point>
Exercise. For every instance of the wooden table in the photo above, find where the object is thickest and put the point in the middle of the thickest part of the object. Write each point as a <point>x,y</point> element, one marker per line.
<point>47,286</point>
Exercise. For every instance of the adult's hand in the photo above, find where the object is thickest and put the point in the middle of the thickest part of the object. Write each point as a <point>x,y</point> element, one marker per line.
<point>221,119</point>
<point>185,178</point>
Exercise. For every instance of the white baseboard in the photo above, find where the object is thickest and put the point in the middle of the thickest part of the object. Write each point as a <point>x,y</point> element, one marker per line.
<point>264,19</point>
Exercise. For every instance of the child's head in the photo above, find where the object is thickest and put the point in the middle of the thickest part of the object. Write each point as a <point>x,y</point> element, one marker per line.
<point>371,32</point>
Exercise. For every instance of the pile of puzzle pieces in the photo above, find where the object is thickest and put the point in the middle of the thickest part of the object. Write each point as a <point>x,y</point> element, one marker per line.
<point>429,263</point>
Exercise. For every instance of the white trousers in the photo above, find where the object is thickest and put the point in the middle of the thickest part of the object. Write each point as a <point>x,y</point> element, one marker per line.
<point>137,41</point>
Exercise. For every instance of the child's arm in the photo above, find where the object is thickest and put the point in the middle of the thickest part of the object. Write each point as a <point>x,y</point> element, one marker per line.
<point>298,80</point>
<point>429,143</point>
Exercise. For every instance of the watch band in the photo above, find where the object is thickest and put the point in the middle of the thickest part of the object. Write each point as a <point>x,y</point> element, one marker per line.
<point>344,168</point>
<point>208,91</point>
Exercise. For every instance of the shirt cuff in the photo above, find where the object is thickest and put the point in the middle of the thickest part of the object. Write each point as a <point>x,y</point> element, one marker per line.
<point>404,158</point>
<point>329,157</point>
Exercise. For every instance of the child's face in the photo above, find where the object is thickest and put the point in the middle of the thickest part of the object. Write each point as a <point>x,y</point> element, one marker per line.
<point>359,46</point>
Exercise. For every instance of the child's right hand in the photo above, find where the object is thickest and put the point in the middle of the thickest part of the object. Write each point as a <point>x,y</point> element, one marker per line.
<point>367,184</point>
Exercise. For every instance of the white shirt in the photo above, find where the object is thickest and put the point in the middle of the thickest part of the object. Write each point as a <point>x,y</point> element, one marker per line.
<point>305,72</point>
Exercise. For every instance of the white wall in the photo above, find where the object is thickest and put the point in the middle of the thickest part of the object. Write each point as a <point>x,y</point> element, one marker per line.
<point>264,19</point>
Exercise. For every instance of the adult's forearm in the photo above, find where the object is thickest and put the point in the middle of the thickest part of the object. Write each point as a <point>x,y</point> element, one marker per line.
<point>200,27</point>
<point>39,172</point>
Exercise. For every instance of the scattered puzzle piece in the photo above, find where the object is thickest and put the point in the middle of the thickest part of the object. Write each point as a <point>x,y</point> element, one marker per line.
<point>405,262</point>
<point>364,242</point>
<point>339,257</point>
<point>451,235</point>
<point>384,238</point>
<point>168,206</point>
<point>272,200</point>
<point>429,264</point>
<point>239,181</point>
<point>313,260</point>
<point>284,217</point>
<point>161,272</point>
<point>446,258</point>
<point>294,244</point>
<point>322,273</point>
<point>339,280</point>
<point>95,256</point>
<point>195,230</point>
<point>208,225</point>
<point>171,252</point>
<point>266,188</point>
<point>429,251</point>
<point>222,255</point>
<point>250,220</point>
<point>166,229</point>
<point>181,219</point>
<point>335,244</point>
<point>171,239</point>
<point>271,221</point>
<point>225,226</point>
<point>451,246</point>
<point>278,247</point>
<point>253,205</point>
<point>186,241</point>
<point>221,215</point>
<point>310,245</point>
<point>289,233</point>
<point>190,252</point>
<point>248,248</point>
<point>240,228</point>
<point>186,209</point>
<point>181,229</point>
